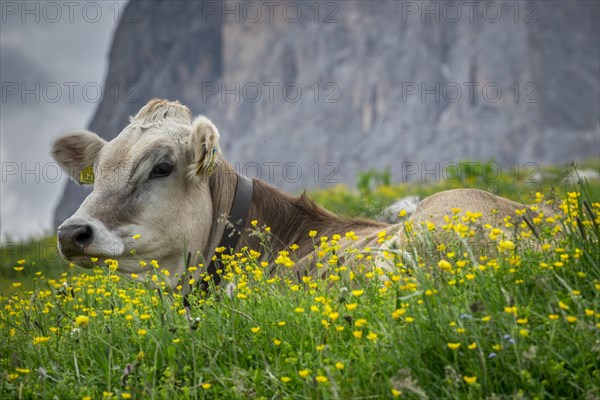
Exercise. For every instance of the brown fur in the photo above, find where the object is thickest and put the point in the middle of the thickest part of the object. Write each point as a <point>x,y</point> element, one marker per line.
<point>290,218</point>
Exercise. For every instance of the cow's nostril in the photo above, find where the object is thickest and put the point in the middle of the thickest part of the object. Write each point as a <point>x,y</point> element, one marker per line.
<point>83,236</point>
<point>74,237</point>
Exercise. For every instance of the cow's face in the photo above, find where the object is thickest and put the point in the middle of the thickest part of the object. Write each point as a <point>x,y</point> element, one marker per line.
<point>149,184</point>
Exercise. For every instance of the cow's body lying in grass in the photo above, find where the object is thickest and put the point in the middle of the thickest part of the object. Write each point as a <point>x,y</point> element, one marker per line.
<point>162,190</point>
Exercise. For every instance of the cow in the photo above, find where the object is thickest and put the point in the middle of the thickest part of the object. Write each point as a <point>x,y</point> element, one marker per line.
<point>162,190</point>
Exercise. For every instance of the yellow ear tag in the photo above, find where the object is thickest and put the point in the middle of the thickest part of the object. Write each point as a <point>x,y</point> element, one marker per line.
<point>211,164</point>
<point>87,175</point>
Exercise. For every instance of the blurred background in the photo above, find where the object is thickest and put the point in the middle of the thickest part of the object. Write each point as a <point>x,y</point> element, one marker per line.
<point>334,96</point>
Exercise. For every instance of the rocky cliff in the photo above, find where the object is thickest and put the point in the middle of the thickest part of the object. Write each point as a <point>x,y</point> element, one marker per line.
<point>307,94</point>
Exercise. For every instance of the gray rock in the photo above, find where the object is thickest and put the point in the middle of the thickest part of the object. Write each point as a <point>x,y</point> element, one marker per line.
<point>391,213</point>
<point>582,175</point>
<point>357,66</point>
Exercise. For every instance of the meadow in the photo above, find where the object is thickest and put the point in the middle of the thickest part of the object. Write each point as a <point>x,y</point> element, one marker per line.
<point>521,320</point>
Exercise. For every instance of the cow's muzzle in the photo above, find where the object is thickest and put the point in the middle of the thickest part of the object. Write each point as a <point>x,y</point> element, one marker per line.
<point>73,238</point>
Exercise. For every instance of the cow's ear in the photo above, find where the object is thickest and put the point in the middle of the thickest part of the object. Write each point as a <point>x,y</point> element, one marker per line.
<point>76,153</point>
<point>204,144</point>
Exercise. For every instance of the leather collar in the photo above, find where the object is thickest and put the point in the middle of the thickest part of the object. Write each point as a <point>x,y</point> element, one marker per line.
<point>234,227</point>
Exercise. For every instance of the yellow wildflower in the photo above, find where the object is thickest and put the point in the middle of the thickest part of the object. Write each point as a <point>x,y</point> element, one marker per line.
<point>82,320</point>
<point>445,265</point>
<point>303,373</point>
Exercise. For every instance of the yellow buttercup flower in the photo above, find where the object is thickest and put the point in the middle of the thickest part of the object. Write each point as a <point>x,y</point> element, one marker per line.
<point>453,346</point>
<point>303,373</point>
<point>506,245</point>
<point>445,265</point>
<point>40,339</point>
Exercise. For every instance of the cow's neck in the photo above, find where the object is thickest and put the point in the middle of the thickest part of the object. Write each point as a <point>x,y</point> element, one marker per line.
<point>290,218</point>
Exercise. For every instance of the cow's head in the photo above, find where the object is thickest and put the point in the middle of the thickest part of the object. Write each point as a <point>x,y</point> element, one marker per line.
<point>151,180</point>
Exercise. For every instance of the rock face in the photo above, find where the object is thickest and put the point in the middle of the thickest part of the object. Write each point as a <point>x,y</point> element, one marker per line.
<point>307,94</point>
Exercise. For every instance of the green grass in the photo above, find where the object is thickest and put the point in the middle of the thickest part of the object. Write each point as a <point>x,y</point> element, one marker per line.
<point>521,322</point>
<point>375,191</point>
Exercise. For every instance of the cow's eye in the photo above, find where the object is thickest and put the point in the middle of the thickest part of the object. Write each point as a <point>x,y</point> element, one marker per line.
<point>161,170</point>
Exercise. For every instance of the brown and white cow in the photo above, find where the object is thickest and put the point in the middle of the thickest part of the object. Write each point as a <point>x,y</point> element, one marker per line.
<point>164,178</point>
